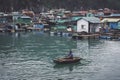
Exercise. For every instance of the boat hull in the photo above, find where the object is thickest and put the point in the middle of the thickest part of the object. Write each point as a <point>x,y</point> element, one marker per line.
<point>66,60</point>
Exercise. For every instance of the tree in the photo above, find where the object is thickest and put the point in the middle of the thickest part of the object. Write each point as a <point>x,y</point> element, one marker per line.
<point>37,5</point>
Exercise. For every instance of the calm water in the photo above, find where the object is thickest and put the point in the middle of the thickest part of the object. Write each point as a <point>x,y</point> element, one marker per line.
<point>29,56</point>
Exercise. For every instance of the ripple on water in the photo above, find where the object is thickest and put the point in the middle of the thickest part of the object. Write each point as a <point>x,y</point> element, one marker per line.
<point>30,57</point>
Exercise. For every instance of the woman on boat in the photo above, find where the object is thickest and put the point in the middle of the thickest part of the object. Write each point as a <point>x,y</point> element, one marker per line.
<point>70,55</point>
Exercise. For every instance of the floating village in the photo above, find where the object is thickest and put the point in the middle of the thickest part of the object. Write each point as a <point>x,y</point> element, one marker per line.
<point>102,23</point>
<point>59,44</point>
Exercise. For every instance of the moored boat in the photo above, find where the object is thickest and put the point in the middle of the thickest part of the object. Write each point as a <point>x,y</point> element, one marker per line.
<point>67,60</point>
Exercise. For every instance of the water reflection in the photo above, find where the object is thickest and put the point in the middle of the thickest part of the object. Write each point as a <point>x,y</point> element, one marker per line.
<point>70,67</point>
<point>88,43</point>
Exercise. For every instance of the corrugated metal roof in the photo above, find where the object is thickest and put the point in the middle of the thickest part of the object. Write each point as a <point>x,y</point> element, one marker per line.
<point>110,20</point>
<point>115,15</point>
<point>25,17</point>
<point>92,19</point>
<point>75,18</point>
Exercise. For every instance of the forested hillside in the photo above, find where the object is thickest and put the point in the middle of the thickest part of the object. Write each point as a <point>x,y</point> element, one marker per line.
<point>40,5</point>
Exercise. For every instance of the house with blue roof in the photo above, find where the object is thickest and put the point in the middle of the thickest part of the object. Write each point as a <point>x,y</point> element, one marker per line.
<point>88,24</point>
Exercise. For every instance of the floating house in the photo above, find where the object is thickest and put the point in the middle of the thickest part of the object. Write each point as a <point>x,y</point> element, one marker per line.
<point>24,20</point>
<point>5,21</point>
<point>119,25</point>
<point>88,24</point>
<point>111,23</point>
<point>38,26</point>
<point>61,27</point>
<point>63,21</point>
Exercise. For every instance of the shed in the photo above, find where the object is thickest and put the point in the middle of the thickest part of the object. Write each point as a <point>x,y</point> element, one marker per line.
<point>88,24</point>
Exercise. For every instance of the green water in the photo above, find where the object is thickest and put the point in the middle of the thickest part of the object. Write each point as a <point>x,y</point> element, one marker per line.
<point>29,56</point>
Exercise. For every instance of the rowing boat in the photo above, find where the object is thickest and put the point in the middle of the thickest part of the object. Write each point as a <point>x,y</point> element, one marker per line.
<point>67,60</point>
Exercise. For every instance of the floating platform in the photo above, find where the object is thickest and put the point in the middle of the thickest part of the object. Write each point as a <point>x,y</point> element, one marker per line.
<point>82,36</point>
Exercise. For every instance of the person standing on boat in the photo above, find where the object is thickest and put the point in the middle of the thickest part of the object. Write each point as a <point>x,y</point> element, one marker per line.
<point>70,55</point>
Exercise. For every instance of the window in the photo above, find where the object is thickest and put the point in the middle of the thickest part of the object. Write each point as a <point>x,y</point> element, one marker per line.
<point>82,26</point>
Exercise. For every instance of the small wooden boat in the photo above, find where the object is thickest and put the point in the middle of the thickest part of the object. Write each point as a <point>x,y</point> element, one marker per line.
<point>67,60</point>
